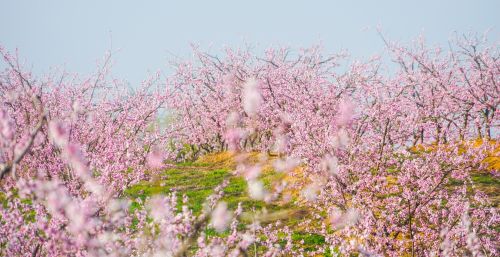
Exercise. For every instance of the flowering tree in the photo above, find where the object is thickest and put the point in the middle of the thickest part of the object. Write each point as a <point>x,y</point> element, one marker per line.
<point>392,154</point>
<point>383,160</point>
<point>69,148</point>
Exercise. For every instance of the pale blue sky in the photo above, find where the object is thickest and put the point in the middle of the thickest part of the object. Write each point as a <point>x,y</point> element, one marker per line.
<point>75,34</point>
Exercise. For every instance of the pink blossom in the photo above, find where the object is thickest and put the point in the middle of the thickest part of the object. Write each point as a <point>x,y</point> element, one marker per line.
<point>256,189</point>
<point>155,159</point>
<point>345,112</point>
<point>6,125</point>
<point>251,97</point>
<point>286,165</point>
<point>310,192</point>
<point>221,217</point>
<point>58,133</point>
<point>253,172</point>
<point>340,220</point>
<point>330,164</point>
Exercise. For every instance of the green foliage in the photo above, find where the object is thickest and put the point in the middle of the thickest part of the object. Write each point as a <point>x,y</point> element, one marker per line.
<point>310,240</point>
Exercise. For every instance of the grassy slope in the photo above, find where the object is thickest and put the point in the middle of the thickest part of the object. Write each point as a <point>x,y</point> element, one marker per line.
<point>198,179</point>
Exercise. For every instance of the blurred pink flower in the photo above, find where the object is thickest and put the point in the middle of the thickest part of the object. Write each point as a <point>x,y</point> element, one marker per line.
<point>345,112</point>
<point>251,97</point>
<point>221,217</point>
<point>256,189</point>
<point>155,159</point>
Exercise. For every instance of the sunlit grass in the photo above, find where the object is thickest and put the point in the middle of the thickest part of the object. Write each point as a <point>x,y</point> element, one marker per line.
<point>197,181</point>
